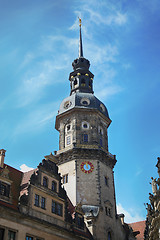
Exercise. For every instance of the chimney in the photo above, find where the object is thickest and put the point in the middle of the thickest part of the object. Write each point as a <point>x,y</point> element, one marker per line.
<point>2,156</point>
<point>121,216</point>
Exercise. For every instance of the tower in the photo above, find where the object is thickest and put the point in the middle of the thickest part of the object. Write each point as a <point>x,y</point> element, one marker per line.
<point>84,160</point>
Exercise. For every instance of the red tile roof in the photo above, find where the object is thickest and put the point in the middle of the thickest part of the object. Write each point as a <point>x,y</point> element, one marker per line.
<point>139,226</point>
<point>25,181</point>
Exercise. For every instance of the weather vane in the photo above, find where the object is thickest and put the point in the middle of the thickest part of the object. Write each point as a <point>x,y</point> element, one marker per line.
<point>80,21</point>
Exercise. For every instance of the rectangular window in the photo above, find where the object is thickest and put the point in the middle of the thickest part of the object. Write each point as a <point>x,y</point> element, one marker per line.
<point>36,203</point>
<point>68,140</point>
<point>108,211</point>
<point>65,178</point>
<point>1,233</point>
<point>79,220</point>
<point>33,238</point>
<point>57,208</point>
<point>54,186</point>
<point>53,207</point>
<point>85,137</point>
<point>29,238</point>
<point>43,202</point>
<point>45,181</point>
<point>11,235</point>
<point>4,189</point>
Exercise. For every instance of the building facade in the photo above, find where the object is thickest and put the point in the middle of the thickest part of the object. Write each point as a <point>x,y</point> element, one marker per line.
<point>34,206</point>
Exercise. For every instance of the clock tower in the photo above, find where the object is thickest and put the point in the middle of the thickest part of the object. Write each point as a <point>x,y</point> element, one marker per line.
<point>84,161</point>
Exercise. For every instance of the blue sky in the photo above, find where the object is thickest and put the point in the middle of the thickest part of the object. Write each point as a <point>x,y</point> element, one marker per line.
<point>39,41</point>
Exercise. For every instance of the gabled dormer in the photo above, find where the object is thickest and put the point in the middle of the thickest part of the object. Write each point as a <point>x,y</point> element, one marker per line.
<point>43,192</point>
<point>5,185</point>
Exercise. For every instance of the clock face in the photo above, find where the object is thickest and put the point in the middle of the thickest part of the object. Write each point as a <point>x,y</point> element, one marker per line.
<point>87,167</point>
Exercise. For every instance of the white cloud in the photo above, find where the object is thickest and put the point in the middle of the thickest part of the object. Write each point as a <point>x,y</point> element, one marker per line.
<point>108,91</point>
<point>104,14</point>
<point>25,168</point>
<point>130,215</point>
<point>36,119</point>
<point>138,172</point>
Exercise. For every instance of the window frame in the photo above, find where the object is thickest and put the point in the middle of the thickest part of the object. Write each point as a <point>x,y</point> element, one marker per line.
<point>54,183</point>
<point>4,189</point>
<point>65,178</point>
<point>68,140</point>
<point>57,208</point>
<point>36,200</point>
<point>10,237</point>
<point>43,202</point>
<point>85,137</point>
<point>45,182</point>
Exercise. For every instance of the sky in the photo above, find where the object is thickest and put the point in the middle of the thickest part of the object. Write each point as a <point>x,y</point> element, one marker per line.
<point>39,41</point>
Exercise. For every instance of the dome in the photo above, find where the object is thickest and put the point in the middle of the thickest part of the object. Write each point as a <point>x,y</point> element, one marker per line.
<point>83,101</point>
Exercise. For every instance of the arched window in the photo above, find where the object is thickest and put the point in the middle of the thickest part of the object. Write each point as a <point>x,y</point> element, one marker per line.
<point>75,82</point>
<point>83,82</point>
<point>109,236</point>
<point>45,181</point>
<point>54,186</point>
<point>68,128</point>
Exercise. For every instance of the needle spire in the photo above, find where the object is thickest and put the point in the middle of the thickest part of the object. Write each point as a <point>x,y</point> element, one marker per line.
<point>80,39</point>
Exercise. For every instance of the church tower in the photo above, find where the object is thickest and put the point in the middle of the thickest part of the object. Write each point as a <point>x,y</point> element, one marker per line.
<point>84,160</point>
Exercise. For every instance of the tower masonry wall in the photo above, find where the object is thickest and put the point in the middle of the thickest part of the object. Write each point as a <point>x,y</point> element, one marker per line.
<point>69,168</point>
<point>75,125</point>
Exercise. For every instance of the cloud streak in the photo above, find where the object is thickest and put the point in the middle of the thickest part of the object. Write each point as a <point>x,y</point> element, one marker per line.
<point>130,216</point>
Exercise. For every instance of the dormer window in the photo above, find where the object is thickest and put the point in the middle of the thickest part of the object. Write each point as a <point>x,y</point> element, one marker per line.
<point>85,101</point>
<point>54,186</point>
<point>45,181</point>
<point>4,189</point>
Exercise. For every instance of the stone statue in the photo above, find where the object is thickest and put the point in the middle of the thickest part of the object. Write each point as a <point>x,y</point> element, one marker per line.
<point>151,200</point>
<point>158,165</point>
<point>154,185</point>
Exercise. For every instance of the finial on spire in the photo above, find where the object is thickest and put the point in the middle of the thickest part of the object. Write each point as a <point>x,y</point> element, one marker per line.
<point>80,21</point>
<point>80,39</point>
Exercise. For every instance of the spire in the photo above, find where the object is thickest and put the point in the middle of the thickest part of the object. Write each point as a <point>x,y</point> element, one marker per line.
<point>80,40</point>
